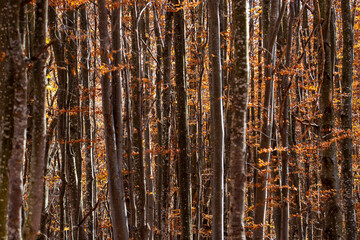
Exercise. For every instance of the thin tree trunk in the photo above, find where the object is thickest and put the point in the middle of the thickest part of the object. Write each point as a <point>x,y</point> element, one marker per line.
<point>85,62</point>
<point>166,99</point>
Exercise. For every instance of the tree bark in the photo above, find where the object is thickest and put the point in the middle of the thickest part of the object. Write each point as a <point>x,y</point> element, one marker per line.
<point>120,230</point>
<point>217,120</point>
<point>182,123</point>
<point>238,110</point>
<point>39,124</point>
<point>329,168</point>
<point>17,74</point>
<point>346,121</point>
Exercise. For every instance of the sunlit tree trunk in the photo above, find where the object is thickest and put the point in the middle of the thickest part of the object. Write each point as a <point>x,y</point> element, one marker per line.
<point>89,168</point>
<point>238,108</point>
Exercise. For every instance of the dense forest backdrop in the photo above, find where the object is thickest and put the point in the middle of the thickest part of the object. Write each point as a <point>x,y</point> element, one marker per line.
<point>179,119</point>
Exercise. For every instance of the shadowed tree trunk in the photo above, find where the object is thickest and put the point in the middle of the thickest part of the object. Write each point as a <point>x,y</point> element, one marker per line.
<point>238,109</point>
<point>329,167</point>
<point>346,120</point>
<point>85,62</point>
<point>117,196</point>
<point>217,120</point>
<point>39,124</point>
<point>182,123</point>
<point>16,74</point>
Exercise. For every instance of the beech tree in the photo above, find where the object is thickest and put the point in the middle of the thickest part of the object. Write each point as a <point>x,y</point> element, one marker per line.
<point>179,119</point>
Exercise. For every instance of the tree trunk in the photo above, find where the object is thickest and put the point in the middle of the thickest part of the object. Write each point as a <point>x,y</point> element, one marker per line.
<point>39,124</point>
<point>329,168</point>
<point>346,121</point>
<point>85,62</point>
<point>182,123</point>
<point>239,99</point>
<point>17,74</point>
<point>116,193</point>
<point>166,99</point>
<point>217,120</point>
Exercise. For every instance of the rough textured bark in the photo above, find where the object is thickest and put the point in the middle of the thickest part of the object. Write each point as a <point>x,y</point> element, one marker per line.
<point>346,121</point>
<point>6,120</point>
<point>332,228</point>
<point>284,132</point>
<point>182,124</point>
<point>159,126</point>
<point>39,124</point>
<point>114,178</point>
<point>17,74</point>
<point>238,109</point>
<point>217,120</point>
<point>166,99</point>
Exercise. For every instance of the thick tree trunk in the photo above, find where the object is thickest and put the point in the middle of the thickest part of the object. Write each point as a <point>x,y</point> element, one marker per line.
<point>120,230</point>
<point>217,120</point>
<point>346,121</point>
<point>6,119</point>
<point>329,167</point>
<point>39,124</point>
<point>182,123</point>
<point>238,109</point>
<point>17,74</point>
<point>117,106</point>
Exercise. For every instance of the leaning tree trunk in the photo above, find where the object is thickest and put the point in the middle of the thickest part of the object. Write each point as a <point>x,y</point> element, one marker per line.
<point>39,124</point>
<point>217,120</point>
<point>238,109</point>
<point>182,123</point>
<point>346,121</point>
<point>119,225</point>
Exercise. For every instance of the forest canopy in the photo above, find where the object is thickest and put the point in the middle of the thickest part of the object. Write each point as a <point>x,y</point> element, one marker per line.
<point>179,119</point>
